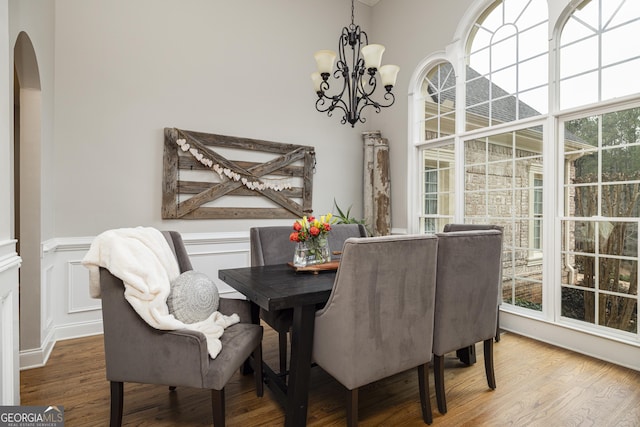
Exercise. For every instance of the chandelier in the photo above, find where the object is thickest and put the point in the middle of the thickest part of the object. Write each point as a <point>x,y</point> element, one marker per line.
<point>359,76</point>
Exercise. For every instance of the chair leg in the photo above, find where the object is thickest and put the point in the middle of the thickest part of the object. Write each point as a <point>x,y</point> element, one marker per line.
<point>282,344</point>
<point>217,404</point>
<point>117,393</point>
<point>423,384</point>
<point>352,407</point>
<point>257,372</point>
<point>467,355</point>
<point>172,388</point>
<point>498,326</point>
<point>488,363</point>
<point>438,374</point>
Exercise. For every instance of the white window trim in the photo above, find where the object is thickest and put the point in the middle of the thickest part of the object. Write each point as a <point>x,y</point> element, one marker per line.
<point>536,255</point>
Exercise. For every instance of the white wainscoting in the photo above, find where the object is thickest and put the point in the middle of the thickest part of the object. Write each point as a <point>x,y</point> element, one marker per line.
<point>69,312</point>
<point>9,326</point>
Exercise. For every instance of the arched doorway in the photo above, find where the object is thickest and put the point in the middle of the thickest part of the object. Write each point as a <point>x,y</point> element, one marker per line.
<point>28,170</point>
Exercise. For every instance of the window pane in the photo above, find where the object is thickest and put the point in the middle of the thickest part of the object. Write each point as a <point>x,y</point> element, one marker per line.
<point>622,200</point>
<point>618,238</point>
<point>503,110</point>
<point>532,73</point>
<point>477,88</point>
<point>506,79</point>
<point>437,188</point>
<point>575,30</point>
<point>431,129</point>
<point>528,294</point>
<point>620,80</point>
<point>630,10</point>
<point>582,131</point>
<point>535,12</point>
<point>588,13</point>
<point>574,60</point>
<point>533,42</point>
<point>480,61</point>
<point>620,164</point>
<point>504,53</point>
<point>579,90</point>
<point>533,102</point>
<point>578,304</point>
<point>618,275</point>
<point>618,312</point>
<point>621,127</point>
<point>616,46</point>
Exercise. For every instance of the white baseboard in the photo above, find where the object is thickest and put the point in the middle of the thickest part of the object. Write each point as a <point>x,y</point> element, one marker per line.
<point>37,357</point>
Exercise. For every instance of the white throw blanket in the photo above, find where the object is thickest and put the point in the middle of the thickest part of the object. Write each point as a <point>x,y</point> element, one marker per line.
<point>144,261</point>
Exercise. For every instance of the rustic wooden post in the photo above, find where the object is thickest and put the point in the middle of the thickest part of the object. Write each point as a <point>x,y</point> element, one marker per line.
<point>377,183</point>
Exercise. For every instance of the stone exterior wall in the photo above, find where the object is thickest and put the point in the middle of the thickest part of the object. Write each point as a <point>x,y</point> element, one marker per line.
<point>500,193</point>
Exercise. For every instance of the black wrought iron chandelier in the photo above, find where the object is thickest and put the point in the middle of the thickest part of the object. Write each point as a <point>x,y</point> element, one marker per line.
<point>357,88</point>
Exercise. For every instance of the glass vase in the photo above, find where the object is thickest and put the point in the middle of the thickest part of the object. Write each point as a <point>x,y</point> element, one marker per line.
<point>311,252</point>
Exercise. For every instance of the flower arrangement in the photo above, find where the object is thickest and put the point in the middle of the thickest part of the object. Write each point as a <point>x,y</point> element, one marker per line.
<point>310,235</point>
<point>311,228</point>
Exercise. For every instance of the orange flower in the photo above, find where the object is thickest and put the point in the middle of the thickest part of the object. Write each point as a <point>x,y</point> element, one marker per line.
<point>308,227</point>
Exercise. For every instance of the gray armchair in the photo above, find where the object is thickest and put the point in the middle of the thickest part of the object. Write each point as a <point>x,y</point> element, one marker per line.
<point>466,298</point>
<point>378,320</point>
<point>471,227</point>
<point>271,245</point>
<point>136,352</point>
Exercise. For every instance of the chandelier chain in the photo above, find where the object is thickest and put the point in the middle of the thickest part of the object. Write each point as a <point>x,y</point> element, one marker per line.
<point>352,15</point>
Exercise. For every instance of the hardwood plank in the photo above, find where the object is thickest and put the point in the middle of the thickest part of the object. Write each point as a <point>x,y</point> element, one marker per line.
<point>537,385</point>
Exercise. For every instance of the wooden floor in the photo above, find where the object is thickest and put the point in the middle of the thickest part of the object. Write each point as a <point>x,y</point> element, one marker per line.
<point>537,385</point>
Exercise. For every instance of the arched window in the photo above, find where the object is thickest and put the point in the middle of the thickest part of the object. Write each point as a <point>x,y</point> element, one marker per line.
<point>599,52</point>
<point>507,63</point>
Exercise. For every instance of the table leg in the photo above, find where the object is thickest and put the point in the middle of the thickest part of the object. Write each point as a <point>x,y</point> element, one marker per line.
<point>300,365</point>
<point>246,367</point>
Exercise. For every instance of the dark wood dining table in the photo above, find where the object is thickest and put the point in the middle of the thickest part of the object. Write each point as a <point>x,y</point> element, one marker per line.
<point>277,287</point>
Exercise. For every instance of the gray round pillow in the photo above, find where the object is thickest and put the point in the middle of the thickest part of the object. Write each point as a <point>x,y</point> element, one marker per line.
<point>193,297</point>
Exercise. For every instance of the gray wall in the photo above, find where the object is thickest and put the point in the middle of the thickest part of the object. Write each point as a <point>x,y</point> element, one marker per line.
<point>125,70</point>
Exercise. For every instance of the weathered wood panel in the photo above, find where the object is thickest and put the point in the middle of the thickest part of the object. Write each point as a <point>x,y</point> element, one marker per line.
<point>186,198</point>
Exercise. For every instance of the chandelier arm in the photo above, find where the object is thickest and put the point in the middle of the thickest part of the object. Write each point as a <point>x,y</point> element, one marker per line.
<point>366,102</point>
<point>335,102</point>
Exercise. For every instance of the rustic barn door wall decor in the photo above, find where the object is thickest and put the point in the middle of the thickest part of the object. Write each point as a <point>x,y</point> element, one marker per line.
<point>199,182</point>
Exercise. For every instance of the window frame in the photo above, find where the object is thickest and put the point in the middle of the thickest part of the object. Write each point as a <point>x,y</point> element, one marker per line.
<point>553,161</point>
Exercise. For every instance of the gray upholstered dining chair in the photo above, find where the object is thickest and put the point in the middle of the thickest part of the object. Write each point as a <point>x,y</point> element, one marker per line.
<point>378,320</point>
<point>271,245</point>
<point>467,287</point>
<point>470,227</point>
<point>136,352</point>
